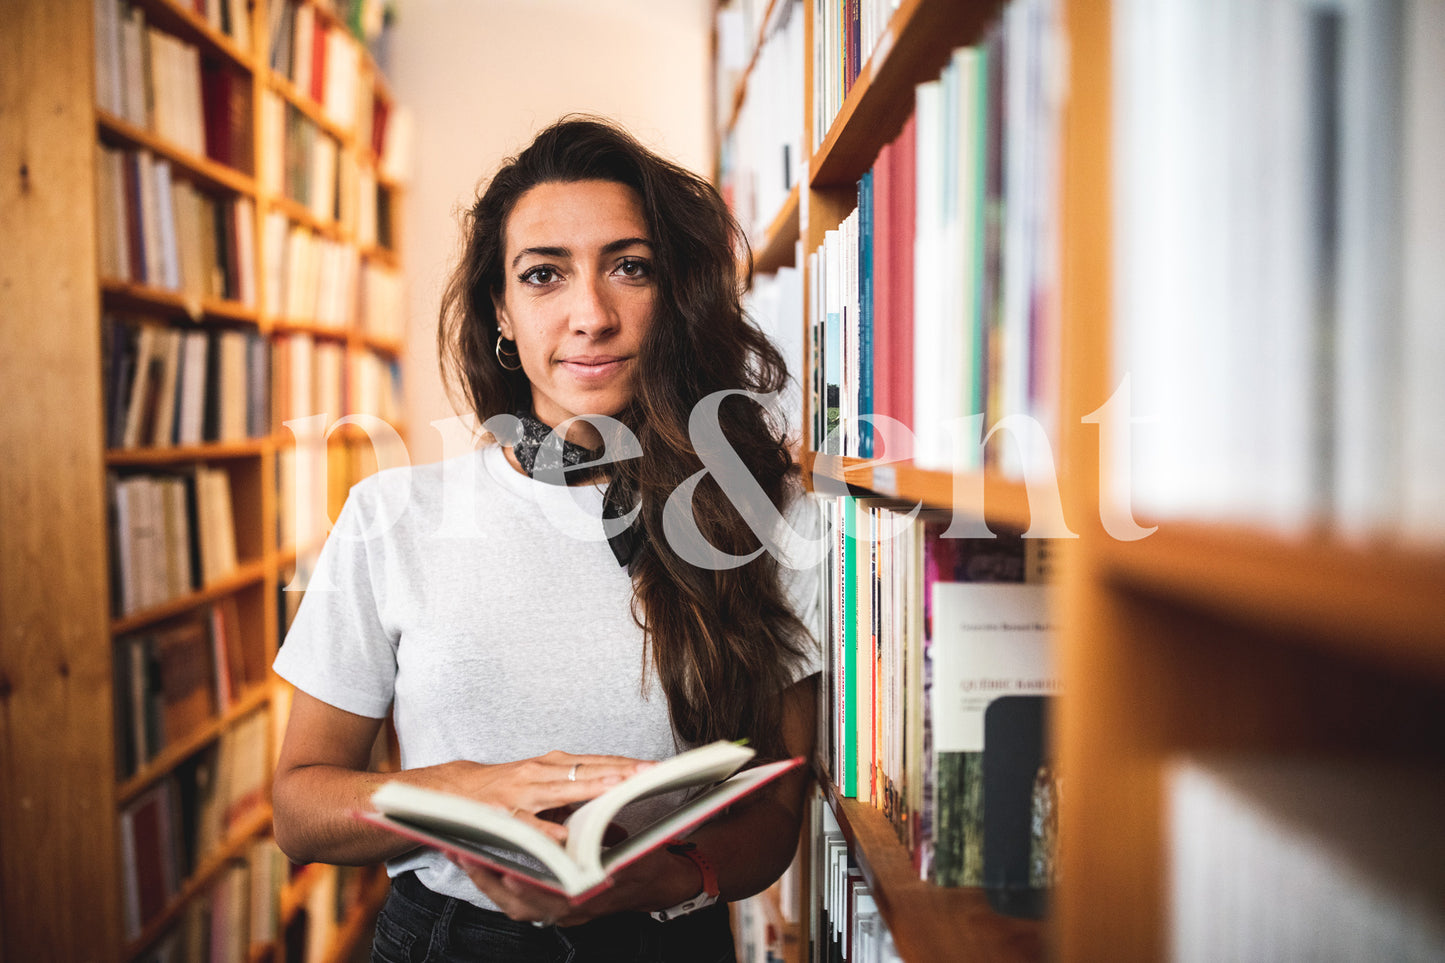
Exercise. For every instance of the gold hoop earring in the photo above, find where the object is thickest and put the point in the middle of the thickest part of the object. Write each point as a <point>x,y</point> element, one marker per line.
<point>501,356</point>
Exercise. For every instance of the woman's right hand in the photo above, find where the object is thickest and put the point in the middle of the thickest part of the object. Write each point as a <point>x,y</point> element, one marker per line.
<point>528,787</point>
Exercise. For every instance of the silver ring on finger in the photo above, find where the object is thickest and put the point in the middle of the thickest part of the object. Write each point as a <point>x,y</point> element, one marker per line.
<point>572,773</point>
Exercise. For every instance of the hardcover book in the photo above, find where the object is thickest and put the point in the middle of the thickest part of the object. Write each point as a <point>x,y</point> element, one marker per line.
<point>476,832</point>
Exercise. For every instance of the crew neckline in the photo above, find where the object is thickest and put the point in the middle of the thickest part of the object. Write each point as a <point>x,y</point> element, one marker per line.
<point>588,497</point>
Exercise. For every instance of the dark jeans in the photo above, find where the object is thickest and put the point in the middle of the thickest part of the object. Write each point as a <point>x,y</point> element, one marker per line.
<point>419,926</point>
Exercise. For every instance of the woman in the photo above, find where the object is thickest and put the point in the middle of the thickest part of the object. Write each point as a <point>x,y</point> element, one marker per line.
<point>532,664</point>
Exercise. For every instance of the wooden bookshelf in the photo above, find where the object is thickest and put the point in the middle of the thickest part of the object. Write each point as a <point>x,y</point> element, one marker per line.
<point>927,922</point>
<point>63,802</point>
<point>1200,637</point>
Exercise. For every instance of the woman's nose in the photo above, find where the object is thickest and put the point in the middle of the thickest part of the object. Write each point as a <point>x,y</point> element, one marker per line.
<point>592,309</point>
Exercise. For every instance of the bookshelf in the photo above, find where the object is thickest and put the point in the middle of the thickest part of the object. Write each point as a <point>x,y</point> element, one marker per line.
<point>1214,634</point>
<point>186,177</point>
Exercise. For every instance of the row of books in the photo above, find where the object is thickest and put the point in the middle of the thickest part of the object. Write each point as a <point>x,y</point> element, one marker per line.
<point>310,279</point>
<point>171,534</point>
<point>159,82</point>
<point>1278,292</point>
<point>175,678</point>
<point>737,25</point>
<point>850,927</point>
<point>937,672</point>
<point>775,304</point>
<point>1303,857</point>
<point>845,34</point>
<point>237,913</point>
<point>317,376</point>
<point>381,308</point>
<point>161,230</point>
<point>933,304</point>
<point>303,162</point>
<point>320,58</point>
<point>182,385</point>
<point>173,826</point>
<point>762,156</point>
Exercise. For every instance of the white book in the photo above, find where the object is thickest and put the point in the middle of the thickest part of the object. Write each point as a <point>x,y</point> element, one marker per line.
<point>246,249</point>
<point>231,387</point>
<point>168,347</point>
<point>476,832</point>
<point>109,92</point>
<point>191,393</point>
<point>113,252</point>
<point>1367,308</point>
<point>170,258</point>
<point>152,260</point>
<point>1274,858</point>
<point>1422,461</point>
<point>135,81</point>
<point>928,279</point>
<point>142,387</point>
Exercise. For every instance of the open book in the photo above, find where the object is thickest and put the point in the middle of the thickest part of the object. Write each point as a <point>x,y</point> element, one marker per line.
<point>478,832</point>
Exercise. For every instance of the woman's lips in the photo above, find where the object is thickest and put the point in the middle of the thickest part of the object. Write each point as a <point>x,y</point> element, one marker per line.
<point>597,367</point>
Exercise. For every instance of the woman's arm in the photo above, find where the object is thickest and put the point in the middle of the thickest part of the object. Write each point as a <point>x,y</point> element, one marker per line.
<point>322,778</point>
<point>748,847</point>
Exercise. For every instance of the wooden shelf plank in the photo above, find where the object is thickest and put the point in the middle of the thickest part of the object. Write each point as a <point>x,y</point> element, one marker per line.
<point>1002,502</point>
<point>283,326</point>
<point>191,26</point>
<point>183,454</point>
<point>313,112</point>
<point>171,756</point>
<point>779,243</point>
<point>1382,604</point>
<point>233,847</point>
<point>929,923</point>
<point>740,90</point>
<point>303,215</point>
<point>913,48</point>
<point>145,297</point>
<point>247,574</point>
<point>113,128</point>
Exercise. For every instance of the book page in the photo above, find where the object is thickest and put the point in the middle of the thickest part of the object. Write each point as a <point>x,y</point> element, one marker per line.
<point>696,767</point>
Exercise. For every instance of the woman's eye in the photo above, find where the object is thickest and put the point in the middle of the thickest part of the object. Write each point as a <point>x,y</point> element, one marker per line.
<point>539,275</point>
<point>633,267</point>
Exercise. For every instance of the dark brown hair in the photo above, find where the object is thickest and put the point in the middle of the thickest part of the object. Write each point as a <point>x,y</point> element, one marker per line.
<point>724,643</point>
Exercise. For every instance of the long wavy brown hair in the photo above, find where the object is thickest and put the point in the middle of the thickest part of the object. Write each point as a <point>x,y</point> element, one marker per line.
<point>724,643</point>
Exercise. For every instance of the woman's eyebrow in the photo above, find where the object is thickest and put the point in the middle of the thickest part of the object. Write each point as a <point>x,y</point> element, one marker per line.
<point>563,253</point>
<point>556,252</point>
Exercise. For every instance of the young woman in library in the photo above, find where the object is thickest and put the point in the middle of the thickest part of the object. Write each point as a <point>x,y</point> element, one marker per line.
<point>530,661</point>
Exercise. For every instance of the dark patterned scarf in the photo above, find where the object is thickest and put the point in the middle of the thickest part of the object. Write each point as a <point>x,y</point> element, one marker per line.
<point>534,435</point>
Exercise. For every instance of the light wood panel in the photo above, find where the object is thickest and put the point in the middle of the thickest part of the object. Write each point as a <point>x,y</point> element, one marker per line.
<point>55,707</point>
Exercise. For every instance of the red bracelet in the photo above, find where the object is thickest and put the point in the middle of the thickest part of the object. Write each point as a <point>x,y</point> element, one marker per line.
<point>710,889</point>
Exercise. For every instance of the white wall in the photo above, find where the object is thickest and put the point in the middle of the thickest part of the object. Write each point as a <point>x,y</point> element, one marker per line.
<point>481,77</point>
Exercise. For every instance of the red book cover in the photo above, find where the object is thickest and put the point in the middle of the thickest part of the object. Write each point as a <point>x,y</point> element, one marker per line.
<point>216,107</point>
<point>379,113</point>
<point>136,247</point>
<point>904,217</point>
<point>318,62</point>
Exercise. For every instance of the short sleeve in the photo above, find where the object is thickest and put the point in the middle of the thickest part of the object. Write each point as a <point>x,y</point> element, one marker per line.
<point>337,649</point>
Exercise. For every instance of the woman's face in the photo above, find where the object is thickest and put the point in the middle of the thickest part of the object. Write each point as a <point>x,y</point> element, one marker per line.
<point>579,297</point>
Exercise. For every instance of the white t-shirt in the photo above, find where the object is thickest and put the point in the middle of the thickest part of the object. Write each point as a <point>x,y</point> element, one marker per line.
<point>486,608</point>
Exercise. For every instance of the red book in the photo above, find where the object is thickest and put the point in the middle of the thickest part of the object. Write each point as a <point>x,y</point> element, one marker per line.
<point>318,62</point>
<point>216,84</point>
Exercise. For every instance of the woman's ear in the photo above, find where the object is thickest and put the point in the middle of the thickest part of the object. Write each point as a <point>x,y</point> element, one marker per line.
<point>504,323</point>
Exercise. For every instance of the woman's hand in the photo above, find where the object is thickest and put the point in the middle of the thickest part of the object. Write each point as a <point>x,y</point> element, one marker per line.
<point>528,787</point>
